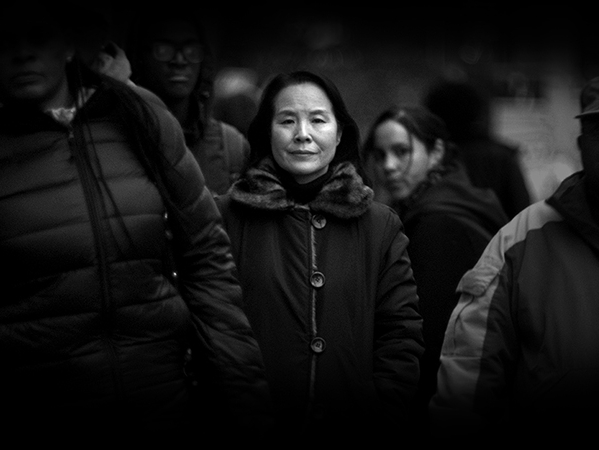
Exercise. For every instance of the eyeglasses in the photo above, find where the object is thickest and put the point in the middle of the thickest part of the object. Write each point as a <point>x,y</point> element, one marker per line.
<point>165,52</point>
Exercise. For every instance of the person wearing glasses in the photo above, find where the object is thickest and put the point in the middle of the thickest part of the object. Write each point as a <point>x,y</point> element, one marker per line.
<point>448,221</point>
<point>170,56</point>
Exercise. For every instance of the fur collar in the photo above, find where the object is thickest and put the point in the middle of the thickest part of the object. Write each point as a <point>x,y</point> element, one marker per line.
<point>344,195</point>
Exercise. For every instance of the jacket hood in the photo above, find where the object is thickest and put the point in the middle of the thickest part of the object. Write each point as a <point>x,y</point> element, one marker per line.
<point>344,195</point>
<point>455,195</point>
<point>571,202</point>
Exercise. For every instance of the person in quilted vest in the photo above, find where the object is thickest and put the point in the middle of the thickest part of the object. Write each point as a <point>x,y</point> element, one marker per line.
<point>120,312</point>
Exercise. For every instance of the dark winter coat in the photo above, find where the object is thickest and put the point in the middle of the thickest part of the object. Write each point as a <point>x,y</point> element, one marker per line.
<point>329,291</point>
<point>449,225</point>
<point>93,332</point>
<point>521,353</point>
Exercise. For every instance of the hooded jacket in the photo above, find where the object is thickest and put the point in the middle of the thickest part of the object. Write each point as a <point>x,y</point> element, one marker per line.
<point>449,225</point>
<point>93,331</point>
<point>521,352</point>
<point>328,289</point>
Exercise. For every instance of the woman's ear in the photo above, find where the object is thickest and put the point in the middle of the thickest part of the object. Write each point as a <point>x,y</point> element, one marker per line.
<point>437,153</point>
<point>339,134</point>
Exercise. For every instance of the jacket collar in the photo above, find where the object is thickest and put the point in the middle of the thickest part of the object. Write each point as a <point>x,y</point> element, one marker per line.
<point>570,201</point>
<point>344,195</point>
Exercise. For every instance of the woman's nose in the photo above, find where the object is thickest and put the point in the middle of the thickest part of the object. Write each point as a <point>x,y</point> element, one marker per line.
<point>303,132</point>
<point>391,162</point>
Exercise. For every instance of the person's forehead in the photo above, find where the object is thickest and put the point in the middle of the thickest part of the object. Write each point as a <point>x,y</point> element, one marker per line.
<point>391,131</point>
<point>26,18</point>
<point>305,95</point>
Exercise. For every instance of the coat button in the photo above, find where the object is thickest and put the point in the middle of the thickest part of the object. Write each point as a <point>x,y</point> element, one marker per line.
<point>319,221</point>
<point>318,345</point>
<point>317,279</point>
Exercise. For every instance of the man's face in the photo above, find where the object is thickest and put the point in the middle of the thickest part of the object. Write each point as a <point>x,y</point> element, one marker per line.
<point>171,74</point>
<point>33,55</point>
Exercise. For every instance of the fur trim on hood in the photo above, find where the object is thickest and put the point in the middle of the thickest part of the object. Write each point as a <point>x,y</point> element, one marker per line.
<point>344,195</point>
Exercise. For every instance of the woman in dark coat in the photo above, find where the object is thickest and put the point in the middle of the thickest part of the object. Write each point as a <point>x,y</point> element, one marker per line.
<point>327,282</point>
<point>114,259</point>
<point>448,221</point>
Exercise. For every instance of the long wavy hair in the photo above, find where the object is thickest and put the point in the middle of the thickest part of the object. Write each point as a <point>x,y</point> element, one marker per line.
<point>259,132</point>
<point>135,118</point>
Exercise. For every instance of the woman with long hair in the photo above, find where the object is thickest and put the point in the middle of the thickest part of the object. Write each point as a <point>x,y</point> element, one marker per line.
<point>416,170</point>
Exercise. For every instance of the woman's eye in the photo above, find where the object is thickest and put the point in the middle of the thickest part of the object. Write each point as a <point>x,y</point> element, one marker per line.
<point>401,152</point>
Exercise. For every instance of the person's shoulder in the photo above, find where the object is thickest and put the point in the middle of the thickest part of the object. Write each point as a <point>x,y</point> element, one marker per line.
<point>501,147</point>
<point>228,128</point>
<point>380,208</point>
<point>232,136</point>
<point>149,97</point>
<point>164,115</point>
<point>489,145</point>
<point>382,213</point>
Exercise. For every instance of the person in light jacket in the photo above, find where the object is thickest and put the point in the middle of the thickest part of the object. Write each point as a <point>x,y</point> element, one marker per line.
<point>520,357</point>
<point>327,280</point>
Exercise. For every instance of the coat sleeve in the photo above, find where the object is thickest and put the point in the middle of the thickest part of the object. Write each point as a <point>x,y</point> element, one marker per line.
<point>442,249</point>
<point>208,283</point>
<point>398,326</point>
<point>479,350</point>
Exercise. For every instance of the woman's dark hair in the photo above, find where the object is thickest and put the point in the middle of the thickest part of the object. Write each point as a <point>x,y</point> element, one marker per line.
<point>139,39</point>
<point>259,132</point>
<point>419,122</point>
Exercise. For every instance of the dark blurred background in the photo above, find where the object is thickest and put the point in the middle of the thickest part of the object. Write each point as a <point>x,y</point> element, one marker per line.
<point>531,60</point>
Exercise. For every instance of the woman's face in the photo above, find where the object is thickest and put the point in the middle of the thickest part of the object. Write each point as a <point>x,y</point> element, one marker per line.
<point>304,131</point>
<point>402,161</point>
<point>33,57</point>
<point>171,61</point>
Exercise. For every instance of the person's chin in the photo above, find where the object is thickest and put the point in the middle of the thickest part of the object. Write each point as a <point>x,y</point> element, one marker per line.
<point>399,195</point>
<point>28,92</point>
<point>179,90</point>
